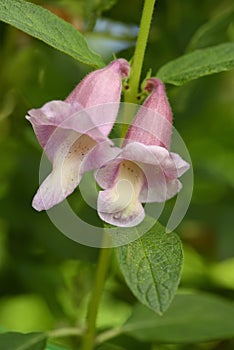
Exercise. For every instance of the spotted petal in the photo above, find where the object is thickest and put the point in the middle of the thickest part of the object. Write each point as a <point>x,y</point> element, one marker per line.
<point>161,170</point>
<point>66,173</point>
<point>119,204</point>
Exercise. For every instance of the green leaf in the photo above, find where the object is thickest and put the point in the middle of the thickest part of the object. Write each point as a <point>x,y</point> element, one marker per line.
<point>19,341</point>
<point>213,32</point>
<point>89,9</point>
<point>198,64</point>
<point>108,346</point>
<point>44,25</point>
<point>191,318</point>
<point>152,266</point>
<point>54,347</point>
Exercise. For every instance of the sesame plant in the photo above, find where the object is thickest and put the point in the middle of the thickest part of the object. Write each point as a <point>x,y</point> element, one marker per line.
<point>116,180</point>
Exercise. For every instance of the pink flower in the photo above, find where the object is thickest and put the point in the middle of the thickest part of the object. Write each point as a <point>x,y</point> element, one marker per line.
<point>145,170</point>
<point>74,135</point>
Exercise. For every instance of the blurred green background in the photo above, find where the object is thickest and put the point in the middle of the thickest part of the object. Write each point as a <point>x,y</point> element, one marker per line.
<point>45,278</point>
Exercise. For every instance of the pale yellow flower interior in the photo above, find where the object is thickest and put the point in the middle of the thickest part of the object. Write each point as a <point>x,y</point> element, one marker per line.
<point>127,188</point>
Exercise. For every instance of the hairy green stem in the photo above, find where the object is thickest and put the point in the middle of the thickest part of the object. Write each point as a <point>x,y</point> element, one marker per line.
<point>135,75</point>
<point>89,336</point>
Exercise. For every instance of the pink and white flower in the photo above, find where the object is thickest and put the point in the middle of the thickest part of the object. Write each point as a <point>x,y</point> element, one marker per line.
<point>74,134</point>
<point>145,170</point>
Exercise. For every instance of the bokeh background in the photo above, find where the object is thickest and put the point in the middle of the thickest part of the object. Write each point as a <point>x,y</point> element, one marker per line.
<point>45,278</point>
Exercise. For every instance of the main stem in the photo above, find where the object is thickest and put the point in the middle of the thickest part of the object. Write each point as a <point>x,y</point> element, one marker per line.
<point>102,267</point>
<point>135,75</point>
<point>130,96</point>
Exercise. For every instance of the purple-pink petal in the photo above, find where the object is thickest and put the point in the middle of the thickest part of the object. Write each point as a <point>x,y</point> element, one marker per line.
<point>152,171</point>
<point>102,87</point>
<point>46,119</point>
<point>152,124</point>
<point>105,176</point>
<point>74,132</point>
<point>103,153</point>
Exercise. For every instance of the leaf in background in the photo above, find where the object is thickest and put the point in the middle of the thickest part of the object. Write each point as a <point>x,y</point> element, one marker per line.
<point>110,36</point>
<point>25,312</point>
<point>100,5</point>
<point>198,64</point>
<point>44,25</point>
<point>88,10</point>
<point>152,266</point>
<point>19,341</point>
<point>54,347</point>
<point>213,32</point>
<point>221,273</point>
<point>108,346</point>
<point>191,318</point>
<point>107,4</point>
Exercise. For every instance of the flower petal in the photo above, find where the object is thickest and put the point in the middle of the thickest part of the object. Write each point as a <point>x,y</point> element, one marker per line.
<point>53,112</point>
<point>181,166</point>
<point>102,87</point>
<point>117,212</point>
<point>69,131</point>
<point>154,155</point>
<point>149,128</point>
<point>171,163</point>
<point>106,175</point>
<point>99,156</point>
<point>155,185</point>
<point>66,173</point>
<point>119,204</point>
<point>55,120</point>
<point>173,187</point>
<point>45,121</point>
<point>153,122</point>
<point>159,189</point>
<point>139,152</point>
<point>49,193</point>
<point>157,100</point>
<point>160,168</point>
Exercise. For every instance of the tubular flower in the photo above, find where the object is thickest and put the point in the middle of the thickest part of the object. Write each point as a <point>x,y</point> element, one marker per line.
<point>74,135</point>
<point>145,170</point>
